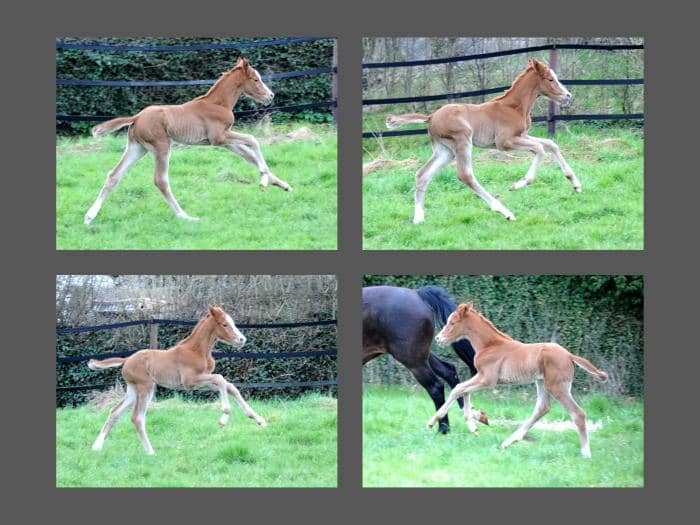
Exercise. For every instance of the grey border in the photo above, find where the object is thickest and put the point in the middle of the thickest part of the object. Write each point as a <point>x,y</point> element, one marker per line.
<point>669,261</point>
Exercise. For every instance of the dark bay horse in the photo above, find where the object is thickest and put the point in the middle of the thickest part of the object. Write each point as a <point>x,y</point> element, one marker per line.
<point>401,322</point>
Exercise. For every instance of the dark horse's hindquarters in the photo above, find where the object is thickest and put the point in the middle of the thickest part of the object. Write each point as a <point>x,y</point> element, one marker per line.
<point>401,322</point>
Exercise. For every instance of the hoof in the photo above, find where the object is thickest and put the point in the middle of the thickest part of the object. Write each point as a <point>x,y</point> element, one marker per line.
<point>261,422</point>
<point>88,219</point>
<point>510,217</point>
<point>577,190</point>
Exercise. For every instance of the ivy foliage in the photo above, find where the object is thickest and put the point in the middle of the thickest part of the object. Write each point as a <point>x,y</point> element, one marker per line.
<point>185,65</point>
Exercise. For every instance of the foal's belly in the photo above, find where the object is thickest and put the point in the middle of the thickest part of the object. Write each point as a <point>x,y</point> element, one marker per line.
<point>186,128</point>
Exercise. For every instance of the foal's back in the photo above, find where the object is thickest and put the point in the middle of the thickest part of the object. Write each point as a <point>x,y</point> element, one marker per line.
<point>169,368</point>
<point>522,363</point>
<point>481,123</point>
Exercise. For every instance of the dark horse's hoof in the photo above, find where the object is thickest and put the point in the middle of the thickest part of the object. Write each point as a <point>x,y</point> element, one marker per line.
<point>443,429</point>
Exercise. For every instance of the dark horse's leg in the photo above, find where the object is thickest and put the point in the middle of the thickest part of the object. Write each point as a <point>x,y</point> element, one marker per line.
<point>447,371</point>
<point>428,380</point>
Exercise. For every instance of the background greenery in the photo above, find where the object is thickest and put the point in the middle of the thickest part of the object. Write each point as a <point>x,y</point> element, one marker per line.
<point>607,215</point>
<point>213,184</point>
<point>599,317</point>
<point>398,451</point>
<point>298,448</point>
<point>187,65</point>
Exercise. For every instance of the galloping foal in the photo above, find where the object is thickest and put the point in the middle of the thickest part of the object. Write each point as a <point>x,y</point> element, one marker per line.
<point>186,366</point>
<point>500,123</point>
<point>502,360</point>
<point>205,120</point>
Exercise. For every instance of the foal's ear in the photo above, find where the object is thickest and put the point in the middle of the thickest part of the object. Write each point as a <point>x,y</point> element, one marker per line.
<point>214,310</point>
<point>540,67</point>
<point>464,308</point>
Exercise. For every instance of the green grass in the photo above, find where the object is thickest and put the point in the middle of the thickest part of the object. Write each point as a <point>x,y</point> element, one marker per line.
<point>213,184</point>
<point>607,215</point>
<point>296,449</point>
<point>399,451</point>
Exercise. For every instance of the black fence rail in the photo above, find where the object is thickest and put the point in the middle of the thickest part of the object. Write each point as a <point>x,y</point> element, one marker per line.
<point>551,118</point>
<point>258,112</point>
<point>154,323</point>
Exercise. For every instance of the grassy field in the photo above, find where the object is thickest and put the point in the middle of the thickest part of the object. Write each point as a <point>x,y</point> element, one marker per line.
<point>607,215</point>
<point>213,184</point>
<point>296,449</point>
<point>398,450</point>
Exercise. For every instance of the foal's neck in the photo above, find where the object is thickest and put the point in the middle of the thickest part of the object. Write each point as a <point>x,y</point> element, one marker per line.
<point>522,94</point>
<point>227,90</point>
<point>487,335</point>
<point>202,338</point>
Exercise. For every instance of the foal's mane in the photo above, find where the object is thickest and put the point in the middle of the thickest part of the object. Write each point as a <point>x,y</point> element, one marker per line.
<point>493,326</point>
<point>518,79</point>
<point>223,77</point>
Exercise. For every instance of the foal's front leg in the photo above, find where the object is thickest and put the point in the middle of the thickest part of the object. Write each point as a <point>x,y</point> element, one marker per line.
<point>550,146</point>
<point>248,148</point>
<point>244,406</point>
<point>525,143</point>
<point>461,389</point>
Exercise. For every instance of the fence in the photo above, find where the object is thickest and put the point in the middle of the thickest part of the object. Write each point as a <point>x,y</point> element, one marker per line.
<point>154,323</point>
<point>332,104</point>
<point>551,118</point>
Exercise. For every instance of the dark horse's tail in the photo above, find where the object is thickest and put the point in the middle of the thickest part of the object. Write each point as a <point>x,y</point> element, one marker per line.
<point>442,305</point>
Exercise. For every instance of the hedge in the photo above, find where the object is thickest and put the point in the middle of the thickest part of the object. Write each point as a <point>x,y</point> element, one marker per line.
<point>184,65</point>
<point>599,317</point>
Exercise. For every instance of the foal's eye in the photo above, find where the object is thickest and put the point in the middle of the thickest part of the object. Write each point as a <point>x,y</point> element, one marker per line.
<point>224,325</point>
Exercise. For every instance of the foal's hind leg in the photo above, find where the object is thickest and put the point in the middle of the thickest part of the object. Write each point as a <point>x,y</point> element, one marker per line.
<point>248,148</point>
<point>114,416</point>
<point>162,154</point>
<point>133,152</point>
<point>563,394</point>
<point>144,394</point>
<point>466,175</point>
<point>441,156</point>
<point>541,408</point>
<point>550,146</point>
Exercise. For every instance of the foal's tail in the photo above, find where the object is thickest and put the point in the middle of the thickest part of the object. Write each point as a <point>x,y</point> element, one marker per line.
<point>112,362</point>
<point>442,306</point>
<point>112,125</point>
<point>588,367</point>
<point>396,121</point>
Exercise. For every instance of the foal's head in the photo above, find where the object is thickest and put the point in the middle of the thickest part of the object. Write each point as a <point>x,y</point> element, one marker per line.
<point>224,328</point>
<point>460,324</point>
<point>548,83</point>
<point>253,86</point>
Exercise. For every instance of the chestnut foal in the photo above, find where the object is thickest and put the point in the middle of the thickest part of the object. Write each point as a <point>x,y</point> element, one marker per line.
<point>502,360</point>
<point>500,123</point>
<point>186,366</point>
<point>205,120</point>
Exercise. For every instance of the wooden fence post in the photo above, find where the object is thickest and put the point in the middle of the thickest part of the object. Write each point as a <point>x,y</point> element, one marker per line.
<point>334,89</point>
<point>154,335</point>
<point>551,122</point>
